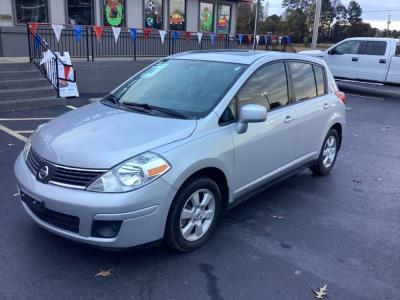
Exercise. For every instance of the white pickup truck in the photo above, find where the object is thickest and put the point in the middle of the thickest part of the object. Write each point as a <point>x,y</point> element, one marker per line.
<point>364,59</point>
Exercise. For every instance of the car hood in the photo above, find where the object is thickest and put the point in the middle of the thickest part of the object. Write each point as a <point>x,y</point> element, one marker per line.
<point>99,136</point>
<point>314,53</point>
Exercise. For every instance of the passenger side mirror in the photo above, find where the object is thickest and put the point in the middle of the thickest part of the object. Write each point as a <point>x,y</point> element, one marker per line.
<point>250,113</point>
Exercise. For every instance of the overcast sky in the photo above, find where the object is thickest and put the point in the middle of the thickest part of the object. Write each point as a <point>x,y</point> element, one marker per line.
<point>369,7</point>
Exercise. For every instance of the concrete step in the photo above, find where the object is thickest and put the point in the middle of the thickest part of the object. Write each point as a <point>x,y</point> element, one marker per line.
<point>20,75</point>
<point>17,66</point>
<point>28,104</point>
<point>23,84</point>
<point>29,93</point>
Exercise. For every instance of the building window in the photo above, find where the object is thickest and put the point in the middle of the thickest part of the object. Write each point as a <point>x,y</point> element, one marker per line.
<point>31,11</point>
<point>80,12</point>
<point>177,14</point>
<point>153,14</point>
<point>114,13</point>
<point>206,16</point>
<point>224,18</point>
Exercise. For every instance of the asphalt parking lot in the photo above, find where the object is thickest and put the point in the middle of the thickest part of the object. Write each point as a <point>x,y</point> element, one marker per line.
<point>341,230</point>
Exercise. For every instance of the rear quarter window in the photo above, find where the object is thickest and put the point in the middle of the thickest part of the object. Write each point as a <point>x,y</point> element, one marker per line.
<point>320,79</point>
<point>303,80</point>
<point>398,50</point>
<point>373,48</point>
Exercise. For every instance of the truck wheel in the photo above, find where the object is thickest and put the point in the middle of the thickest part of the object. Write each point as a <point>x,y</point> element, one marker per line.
<point>328,154</point>
<point>193,214</point>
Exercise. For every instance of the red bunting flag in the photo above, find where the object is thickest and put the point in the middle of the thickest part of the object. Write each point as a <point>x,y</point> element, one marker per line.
<point>187,36</point>
<point>249,37</point>
<point>221,37</point>
<point>66,71</point>
<point>146,33</point>
<point>99,31</point>
<point>33,27</point>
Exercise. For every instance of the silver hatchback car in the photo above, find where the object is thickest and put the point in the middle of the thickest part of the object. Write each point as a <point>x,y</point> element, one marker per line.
<point>164,154</point>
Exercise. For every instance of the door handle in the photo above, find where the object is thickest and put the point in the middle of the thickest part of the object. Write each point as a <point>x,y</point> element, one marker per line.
<point>288,119</point>
<point>354,58</point>
<point>326,106</point>
<point>382,61</point>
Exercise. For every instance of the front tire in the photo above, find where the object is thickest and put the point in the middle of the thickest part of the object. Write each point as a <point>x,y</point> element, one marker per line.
<point>193,214</point>
<point>328,154</point>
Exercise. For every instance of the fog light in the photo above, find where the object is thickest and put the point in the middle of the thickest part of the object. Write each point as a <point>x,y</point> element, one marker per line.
<point>105,229</point>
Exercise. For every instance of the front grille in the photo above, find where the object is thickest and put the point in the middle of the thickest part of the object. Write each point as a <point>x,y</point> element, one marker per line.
<point>60,220</point>
<point>62,175</point>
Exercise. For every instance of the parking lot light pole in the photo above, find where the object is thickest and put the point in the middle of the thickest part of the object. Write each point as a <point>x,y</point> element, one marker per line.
<point>316,25</point>
<point>255,26</point>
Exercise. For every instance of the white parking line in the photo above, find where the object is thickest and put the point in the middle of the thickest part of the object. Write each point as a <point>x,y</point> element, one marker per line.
<point>25,119</point>
<point>71,106</point>
<point>13,133</point>
<point>362,96</point>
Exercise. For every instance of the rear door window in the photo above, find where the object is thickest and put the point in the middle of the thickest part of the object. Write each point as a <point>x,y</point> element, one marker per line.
<point>303,80</point>
<point>267,87</point>
<point>373,48</point>
<point>319,79</point>
<point>398,50</point>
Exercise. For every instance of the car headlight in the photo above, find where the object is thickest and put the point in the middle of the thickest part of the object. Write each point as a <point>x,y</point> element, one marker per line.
<point>28,142</point>
<point>131,174</point>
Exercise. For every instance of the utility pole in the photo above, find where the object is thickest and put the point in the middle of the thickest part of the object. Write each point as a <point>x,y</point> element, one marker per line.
<point>388,23</point>
<point>255,26</point>
<point>316,25</point>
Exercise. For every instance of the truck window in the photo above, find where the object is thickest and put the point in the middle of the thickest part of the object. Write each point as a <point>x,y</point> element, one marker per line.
<point>373,47</point>
<point>349,47</point>
<point>398,50</point>
<point>303,80</point>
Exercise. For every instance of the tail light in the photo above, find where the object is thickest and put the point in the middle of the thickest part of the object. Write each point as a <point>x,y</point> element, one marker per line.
<point>341,96</point>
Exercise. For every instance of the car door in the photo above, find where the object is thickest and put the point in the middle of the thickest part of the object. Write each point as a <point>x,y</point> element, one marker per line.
<point>312,105</point>
<point>343,59</point>
<point>373,62</point>
<point>267,146</point>
<point>394,68</point>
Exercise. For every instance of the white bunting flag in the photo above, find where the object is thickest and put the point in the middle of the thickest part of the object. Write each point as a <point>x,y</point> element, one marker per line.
<point>257,38</point>
<point>47,56</point>
<point>57,28</point>
<point>116,32</point>
<point>162,35</point>
<point>199,36</point>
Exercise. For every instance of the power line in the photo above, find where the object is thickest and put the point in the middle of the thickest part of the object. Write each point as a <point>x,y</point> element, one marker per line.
<point>382,10</point>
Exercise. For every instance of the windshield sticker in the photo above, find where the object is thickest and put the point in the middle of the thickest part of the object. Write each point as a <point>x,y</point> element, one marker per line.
<point>237,68</point>
<point>154,70</point>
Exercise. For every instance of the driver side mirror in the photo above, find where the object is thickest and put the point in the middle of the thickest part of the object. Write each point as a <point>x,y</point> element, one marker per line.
<point>250,113</point>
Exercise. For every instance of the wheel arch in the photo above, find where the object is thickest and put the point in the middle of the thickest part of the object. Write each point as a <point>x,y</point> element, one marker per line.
<point>338,127</point>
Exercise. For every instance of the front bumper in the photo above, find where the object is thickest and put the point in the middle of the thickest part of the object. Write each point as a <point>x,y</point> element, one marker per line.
<point>143,212</point>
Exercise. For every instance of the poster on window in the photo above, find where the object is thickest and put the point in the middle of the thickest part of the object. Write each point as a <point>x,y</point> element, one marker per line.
<point>224,16</point>
<point>206,16</point>
<point>177,15</point>
<point>114,13</point>
<point>153,15</point>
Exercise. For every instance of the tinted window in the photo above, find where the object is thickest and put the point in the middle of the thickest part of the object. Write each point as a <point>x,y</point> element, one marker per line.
<point>319,79</point>
<point>266,87</point>
<point>398,50</point>
<point>188,86</point>
<point>349,47</point>
<point>303,80</point>
<point>373,48</point>
<point>229,114</point>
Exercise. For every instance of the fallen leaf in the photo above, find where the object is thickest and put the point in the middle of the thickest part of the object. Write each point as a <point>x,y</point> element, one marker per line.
<point>378,179</point>
<point>386,128</point>
<point>297,272</point>
<point>11,145</point>
<point>348,108</point>
<point>104,273</point>
<point>278,217</point>
<point>16,195</point>
<point>357,180</point>
<point>355,135</point>
<point>321,292</point>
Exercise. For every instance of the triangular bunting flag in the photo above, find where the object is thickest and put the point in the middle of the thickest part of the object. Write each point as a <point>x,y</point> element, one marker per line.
<point>38,41</point>
<point>67,68</point>
<point>187,36</point>
<point>240,38</point>
<point>174,35</point>
<point>146,33</point>
<point>212,38</point>
<point>47,56</point>
<point>249,36</point>
<point>162,35</point>
<point>116,32</point>
<point>257,38</point>
<point>220,37</point>
<point>33,27</point>
<point>57,28</point>
<point>77,31</point>
<point>267,40</point>
<point>98,30</point>
<point>199,36</point>
<point>133,32</point>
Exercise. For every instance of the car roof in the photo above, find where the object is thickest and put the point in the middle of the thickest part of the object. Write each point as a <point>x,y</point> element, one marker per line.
<point>240,56</point>
<point>372,39</point>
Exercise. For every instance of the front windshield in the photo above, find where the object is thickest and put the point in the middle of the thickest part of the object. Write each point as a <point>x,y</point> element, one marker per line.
<point>189,87</point>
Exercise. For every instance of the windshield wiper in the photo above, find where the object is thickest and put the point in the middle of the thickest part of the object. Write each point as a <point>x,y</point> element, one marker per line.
<point>157,108</point>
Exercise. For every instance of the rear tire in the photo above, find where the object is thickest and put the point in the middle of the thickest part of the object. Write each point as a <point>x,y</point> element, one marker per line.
<point>328,154</point>
<point>193,214</point>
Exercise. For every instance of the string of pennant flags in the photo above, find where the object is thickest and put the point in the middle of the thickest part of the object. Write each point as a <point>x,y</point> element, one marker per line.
<point>98,30</point>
